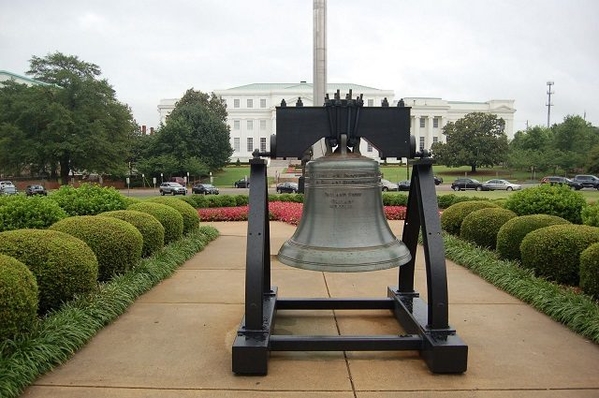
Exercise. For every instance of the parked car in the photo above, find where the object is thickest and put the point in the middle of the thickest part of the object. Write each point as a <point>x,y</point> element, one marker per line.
<point>205,189</point>
<point>3,183</point>
<point>7,189</point>
<point>179,180</point>
<point>387,185</point>
<point>462,184</point>
<point>500,185</point>
<point>587,181</point>
<point>35,190</point>
<point>438,180</point>
<point>403,185</point>
<point>243,183</point>
<point>172,188</point>
<point>555,180</point>
<point>287,187</point>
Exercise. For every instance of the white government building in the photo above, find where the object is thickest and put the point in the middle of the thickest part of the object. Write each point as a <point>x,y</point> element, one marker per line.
<point>252,113</point>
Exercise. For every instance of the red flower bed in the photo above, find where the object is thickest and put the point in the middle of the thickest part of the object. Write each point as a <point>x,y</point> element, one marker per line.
<point>289,212</point>
<point>224,213</point>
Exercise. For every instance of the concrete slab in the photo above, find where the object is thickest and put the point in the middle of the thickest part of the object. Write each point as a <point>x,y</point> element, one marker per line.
<point>175,341</point>
<point>162,346</point>
<point>79,392</point>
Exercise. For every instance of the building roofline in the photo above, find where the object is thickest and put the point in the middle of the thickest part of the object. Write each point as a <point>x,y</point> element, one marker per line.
<point>303,84</point>
<point>28,79</point>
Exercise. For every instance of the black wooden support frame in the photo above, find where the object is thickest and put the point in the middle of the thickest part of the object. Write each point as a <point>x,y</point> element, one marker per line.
<point>426,326</point>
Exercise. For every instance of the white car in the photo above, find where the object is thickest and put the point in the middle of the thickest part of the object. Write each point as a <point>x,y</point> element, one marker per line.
<point>500,185</point>
<point>7,188</point>
<point>387,185</point>
<point>172,188</point>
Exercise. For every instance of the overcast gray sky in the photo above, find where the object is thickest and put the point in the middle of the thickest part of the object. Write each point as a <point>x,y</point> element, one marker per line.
<point>459,50</point>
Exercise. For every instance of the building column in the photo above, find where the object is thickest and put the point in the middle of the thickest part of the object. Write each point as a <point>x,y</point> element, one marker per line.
<point>416,131</point>
<point>428,141</point>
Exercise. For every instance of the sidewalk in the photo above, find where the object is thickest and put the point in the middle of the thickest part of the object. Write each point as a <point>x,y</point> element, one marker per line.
<point>175,341</point>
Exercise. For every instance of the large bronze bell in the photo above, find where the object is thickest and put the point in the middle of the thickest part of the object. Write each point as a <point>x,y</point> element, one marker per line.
<point>343,227</point>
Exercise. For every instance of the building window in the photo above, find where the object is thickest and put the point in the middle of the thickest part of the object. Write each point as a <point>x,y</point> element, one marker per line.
<point>236,103</point>
<point>262,124</point>
<point>262,102</point>
<point>236,124</point>
<point>236,144</point>
<point>250,144</point>
<point>368,147</point>
<point>250,124</point>
<point>370,102</point>
<point>435,140</point>
<point>436,123</point>
<point>262,144</point>
<point>422,122</point>
<point>421,143</point>
<point>250,103</point>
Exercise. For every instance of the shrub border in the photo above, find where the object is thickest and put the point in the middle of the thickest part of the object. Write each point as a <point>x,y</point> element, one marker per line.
<point>58,337</point>
<point>577,311</point>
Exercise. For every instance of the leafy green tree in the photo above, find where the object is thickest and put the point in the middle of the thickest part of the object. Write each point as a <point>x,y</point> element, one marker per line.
<point>537,138</point>
<point>18,120</point>
<point>195,138</point>
<point>574,137</point>
<point>570,146</point>
<point>532,150</point>
<point>593,160</point>
<point>73,123</point>
<point>476,140</point>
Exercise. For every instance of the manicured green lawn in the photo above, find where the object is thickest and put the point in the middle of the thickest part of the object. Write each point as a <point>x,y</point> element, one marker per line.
<point>230,174</point>
<point>398,173</point>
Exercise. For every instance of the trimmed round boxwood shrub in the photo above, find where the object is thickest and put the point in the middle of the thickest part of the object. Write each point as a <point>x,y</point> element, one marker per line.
<point>191,219</point>
<point>554,252</point>
<point>189,199</point>
<point>18,212</point>
<point>150,228</point>
<point>201,201</point>
<point>589,270</point>
<point>481,226</point>
<point>18,298</point>
<point>500,202</point>
<point>444,201</point>
<point>510,235</point>
<point>389,199</point>
<point>590,215</point>
<point>89,199</point>
<point>221,201</point>
<point>171,219</point>
<point>452,217</point>
<point>116,243</point>
<point>129,200</point>
<point>554,200</point>
<point>63,266</point>
<point>242,200</point>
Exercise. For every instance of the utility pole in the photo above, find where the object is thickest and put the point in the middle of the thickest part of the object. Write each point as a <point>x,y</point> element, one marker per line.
<point>549,104</point>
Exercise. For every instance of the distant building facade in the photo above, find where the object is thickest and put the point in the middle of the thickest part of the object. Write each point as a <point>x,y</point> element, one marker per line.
<point>252,113</point>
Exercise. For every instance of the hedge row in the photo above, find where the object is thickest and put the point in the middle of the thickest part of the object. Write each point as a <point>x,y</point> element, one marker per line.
<point>73,253</point>
<point>549,245</point>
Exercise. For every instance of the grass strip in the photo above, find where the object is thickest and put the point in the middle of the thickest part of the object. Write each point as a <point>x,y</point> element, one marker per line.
<point>60,334</point>
<point>575,310</point>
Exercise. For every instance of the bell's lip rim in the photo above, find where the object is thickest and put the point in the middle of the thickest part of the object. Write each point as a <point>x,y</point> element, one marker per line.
<point>312,258</point>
